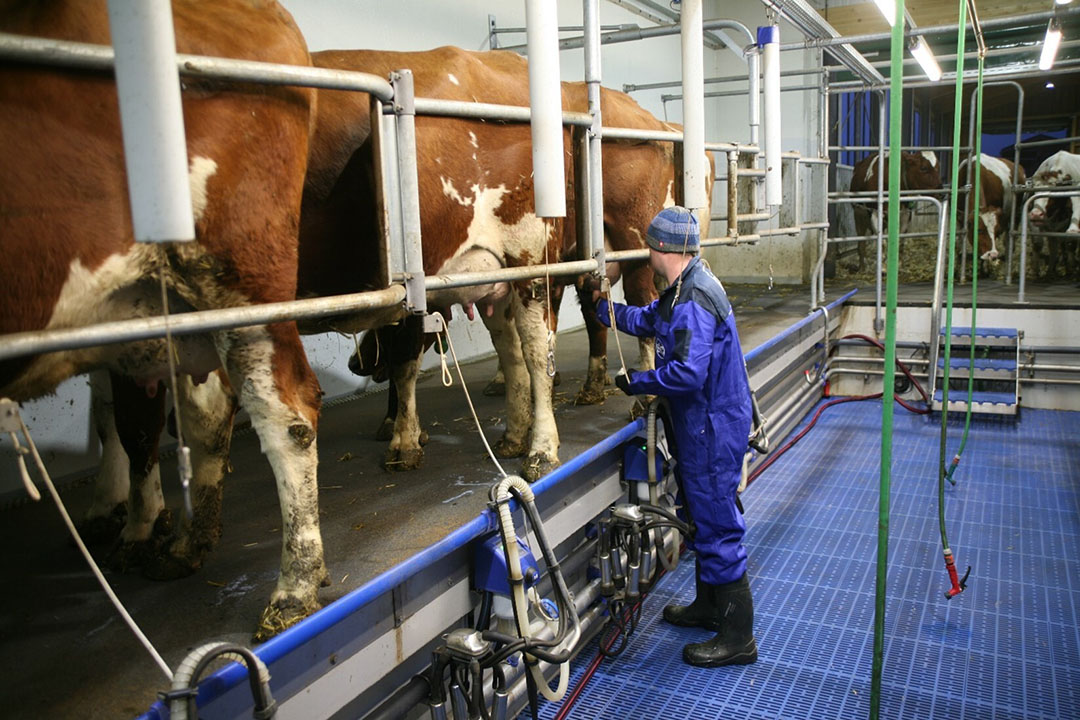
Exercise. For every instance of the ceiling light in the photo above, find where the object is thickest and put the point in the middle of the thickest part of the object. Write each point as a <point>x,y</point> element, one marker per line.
<point>1062,2</point>
<point>1050,86</point>
<point>888,9</point>
<point>925,57</point>
<point>1050,45</point>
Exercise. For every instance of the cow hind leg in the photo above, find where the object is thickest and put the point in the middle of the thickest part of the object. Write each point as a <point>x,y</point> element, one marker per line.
<point>140,420</point>
<point>105,517</point>
<point>504,336</point>
<point>592,391</point>
<point>405,452</point>
<point>530,317</point>
<point>206,413</point>
<point>268,369</point>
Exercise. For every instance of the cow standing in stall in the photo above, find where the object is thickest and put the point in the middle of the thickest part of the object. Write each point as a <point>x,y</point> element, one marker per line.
<point>918,171</point>
<point>638,182</point>
<point>1062,169</point>
<point>996,204</point>
<point>70,259</point>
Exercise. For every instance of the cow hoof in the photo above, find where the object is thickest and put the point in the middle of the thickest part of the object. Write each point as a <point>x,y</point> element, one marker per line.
<point>537,466</point>
<point>282,615</point>
<point>495,389</point>
<point>385,433</point>
<point>424,437</point>
<point>128,556</point>
<point>398,459</point>
<point>104,529</point>
<point>590,395</point>
<point>509,449</point>
<point>166,566</point>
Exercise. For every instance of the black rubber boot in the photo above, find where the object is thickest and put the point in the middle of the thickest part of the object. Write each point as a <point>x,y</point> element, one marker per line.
<point>734,644</point>
<point>699,613</point>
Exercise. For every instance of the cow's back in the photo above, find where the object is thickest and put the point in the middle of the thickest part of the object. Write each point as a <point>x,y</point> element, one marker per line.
<point>66,225</point>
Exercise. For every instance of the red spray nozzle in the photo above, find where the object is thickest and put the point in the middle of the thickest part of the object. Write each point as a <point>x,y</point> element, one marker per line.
<point>958,584</point>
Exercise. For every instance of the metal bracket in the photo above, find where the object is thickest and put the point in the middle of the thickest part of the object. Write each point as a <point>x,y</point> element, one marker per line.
<point>433,323</point>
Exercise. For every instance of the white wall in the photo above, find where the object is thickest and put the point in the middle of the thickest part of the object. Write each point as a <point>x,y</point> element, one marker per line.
<point>61,423</point>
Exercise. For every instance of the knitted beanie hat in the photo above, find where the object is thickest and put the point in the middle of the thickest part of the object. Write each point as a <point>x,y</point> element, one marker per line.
<point>674,229</point>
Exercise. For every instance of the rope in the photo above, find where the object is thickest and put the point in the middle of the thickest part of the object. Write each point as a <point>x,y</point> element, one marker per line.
<point>605,286</point>
<point>446,374</point>
<point>183,452</point>
<point>89,559</point>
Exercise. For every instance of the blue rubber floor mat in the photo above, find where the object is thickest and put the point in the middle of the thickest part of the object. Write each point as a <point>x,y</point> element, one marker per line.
<point>1008,647</point>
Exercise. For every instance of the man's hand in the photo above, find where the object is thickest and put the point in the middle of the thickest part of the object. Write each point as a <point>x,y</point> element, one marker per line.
<point>622,381</point>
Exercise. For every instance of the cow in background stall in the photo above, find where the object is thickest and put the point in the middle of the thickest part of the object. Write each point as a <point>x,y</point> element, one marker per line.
<point>1062,169</point>
<point>70,259</point>
<point>918,171</point>
<point>996,204</point>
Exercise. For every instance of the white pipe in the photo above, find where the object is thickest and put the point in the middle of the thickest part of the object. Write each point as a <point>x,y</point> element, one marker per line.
<point>769,43</point>
<point>152,120</point>
<point>693,90</point>
<point>545,100</point>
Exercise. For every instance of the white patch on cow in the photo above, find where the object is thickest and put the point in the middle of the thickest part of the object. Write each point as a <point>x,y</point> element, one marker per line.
<point>999,168</point>
<point>1058,169</point>
<point>990,220</point>
<point>287,438</point>
<point>453,79</point>
<point>931,157</point>
<point>472,140</point>
<point>199,174</point>
<point>669,196</point>
<point>451,192</point>
<point>870,170</point>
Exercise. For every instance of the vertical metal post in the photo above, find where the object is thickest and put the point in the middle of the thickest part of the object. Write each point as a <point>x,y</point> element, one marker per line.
<point>493,37</point>
<point>1023,248</point>
<point>1015,180</point>
<point>823,152</point>
<point>733,194</point>
<point>152,120</point>
<point>404,109</point>
<point>595,222</point>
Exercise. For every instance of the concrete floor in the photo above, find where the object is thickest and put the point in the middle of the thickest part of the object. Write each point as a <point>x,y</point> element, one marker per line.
<point>64,653</point>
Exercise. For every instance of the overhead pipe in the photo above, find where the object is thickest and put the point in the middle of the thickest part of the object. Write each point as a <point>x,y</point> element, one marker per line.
<point>1009,22</point>
<point>151,120</point>
<point>88,56</point>
<point>693,106</point>
<point>768,41</point>
<point>545,100</point>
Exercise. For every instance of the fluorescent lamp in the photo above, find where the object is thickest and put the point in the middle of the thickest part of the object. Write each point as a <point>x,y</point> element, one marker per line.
<point>1062,2</point>
<point>1050,45</point>
<point>925,57</point>
<point>1049,86</point>
<point>888,9</point>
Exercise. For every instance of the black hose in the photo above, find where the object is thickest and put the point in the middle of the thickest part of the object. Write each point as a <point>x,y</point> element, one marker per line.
<point>483,619</point>
<point>265,706</point>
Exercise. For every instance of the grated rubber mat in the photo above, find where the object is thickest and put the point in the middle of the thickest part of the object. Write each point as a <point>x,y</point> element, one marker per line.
<point>1008,647</point>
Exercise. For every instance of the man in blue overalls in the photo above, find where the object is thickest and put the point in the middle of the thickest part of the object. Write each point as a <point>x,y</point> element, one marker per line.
<point>700,370</point>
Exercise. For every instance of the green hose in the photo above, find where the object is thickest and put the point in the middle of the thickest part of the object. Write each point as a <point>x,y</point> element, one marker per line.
<point>896,104</point>
<point>953,207</point>
<point>977,170</point>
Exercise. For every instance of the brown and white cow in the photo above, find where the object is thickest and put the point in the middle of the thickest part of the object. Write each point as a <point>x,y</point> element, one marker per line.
<point>996,203</point>
<point>918,171</point>
<point>461,161</point>
<point>1058,214</point>
<point>70,259</point>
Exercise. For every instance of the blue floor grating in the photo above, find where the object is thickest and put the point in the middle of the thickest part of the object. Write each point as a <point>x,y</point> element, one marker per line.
<point>1008,647</point>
